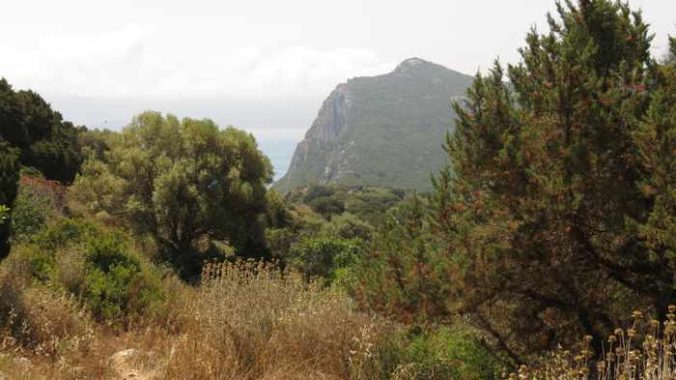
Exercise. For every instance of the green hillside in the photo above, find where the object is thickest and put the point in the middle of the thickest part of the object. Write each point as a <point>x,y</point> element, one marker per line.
<point>385,130</point>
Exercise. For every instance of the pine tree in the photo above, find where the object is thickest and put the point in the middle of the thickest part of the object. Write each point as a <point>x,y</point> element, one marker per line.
<point>561,204</point>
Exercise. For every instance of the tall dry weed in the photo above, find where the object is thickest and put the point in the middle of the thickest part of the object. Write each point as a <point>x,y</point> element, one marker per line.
<point>254,321</point>
<point>644,351</point>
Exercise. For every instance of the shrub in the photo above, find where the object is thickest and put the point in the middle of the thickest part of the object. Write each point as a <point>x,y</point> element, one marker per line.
<point>30,213</point>
<point>95,265</point>
<point>327,206</point>
<point>115,284</point>
<point>451,353</point>
<point>67,232</point>
<point>323,256</point>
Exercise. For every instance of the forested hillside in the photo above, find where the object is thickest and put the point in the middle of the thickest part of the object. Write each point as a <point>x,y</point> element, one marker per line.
<point>545,247</point>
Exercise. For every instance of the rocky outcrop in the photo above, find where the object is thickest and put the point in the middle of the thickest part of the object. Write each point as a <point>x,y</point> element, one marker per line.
<point>136,364</point>
<point>380,131</point>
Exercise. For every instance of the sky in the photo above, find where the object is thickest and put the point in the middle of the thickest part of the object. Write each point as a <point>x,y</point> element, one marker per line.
<point>263,66</point>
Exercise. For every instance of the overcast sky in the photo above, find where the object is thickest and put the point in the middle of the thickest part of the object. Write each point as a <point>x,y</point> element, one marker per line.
<point>264,66</point>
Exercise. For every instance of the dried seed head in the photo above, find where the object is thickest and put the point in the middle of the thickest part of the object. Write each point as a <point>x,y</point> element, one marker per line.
<point>631,333</point>
<point>601,366</point>
<point>637,314</point>
<point>672,308</point>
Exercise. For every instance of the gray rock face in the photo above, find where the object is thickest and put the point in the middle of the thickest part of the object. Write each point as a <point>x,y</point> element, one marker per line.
<point>385,130</point>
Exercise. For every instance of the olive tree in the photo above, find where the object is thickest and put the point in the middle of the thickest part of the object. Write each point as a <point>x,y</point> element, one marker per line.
<point>187,183</point>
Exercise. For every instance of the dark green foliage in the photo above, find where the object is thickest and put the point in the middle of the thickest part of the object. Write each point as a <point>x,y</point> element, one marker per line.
<point>557,212</point>
<point>655,140</point>
<point>319,242</point>
<point>45,141</point>
<point>66,231</point>
<point>41,265</point>
<point>542,218</point>
<point>323,256</point>
<point>9,176</point>
<point>367,203</point>
<point>32,135</point>
<point>452,354</point>
<point>327,207</point>
<point>299,222</point>
<point>348,226</point>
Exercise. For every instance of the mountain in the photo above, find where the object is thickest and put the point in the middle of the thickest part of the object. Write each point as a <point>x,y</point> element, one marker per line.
<point>385,130</point>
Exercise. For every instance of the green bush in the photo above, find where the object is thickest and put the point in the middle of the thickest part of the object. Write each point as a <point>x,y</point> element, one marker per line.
<point>323,256</point>
<point>327,206</point>
<point>453,354</point>
<point>67,232</point>
<point>41,264</point>
<point>115,284</point>
<point>30,214</point>
<point>442,353</point>
<point>95,265</point>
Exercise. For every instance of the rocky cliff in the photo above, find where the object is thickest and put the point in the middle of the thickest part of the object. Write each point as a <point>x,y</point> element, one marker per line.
<point>385,130</point>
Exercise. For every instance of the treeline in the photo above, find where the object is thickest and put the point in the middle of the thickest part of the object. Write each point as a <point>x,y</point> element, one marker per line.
<point>34,136</point>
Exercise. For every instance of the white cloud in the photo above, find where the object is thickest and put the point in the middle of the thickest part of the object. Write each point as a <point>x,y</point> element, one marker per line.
<point>134,61</point>
<point>254,49</point>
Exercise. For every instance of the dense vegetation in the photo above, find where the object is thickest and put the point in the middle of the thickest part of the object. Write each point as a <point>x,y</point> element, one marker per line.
<point>33,136</point>
<point>160,252</point>
<point>46,142</point>
<point>556,214</point>
<point>189,185</point>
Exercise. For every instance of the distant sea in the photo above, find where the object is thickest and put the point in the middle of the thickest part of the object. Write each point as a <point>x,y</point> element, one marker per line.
<point>279,151</point>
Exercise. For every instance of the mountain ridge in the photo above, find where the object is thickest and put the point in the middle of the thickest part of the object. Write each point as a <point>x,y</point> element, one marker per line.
<point>384,130</point>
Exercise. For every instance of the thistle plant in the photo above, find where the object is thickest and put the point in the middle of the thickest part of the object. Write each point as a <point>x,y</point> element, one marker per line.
<point>644,351</point>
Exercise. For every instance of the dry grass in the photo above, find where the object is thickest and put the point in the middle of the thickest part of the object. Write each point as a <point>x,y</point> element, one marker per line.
<point>252,321</point>
<point>246,321</point>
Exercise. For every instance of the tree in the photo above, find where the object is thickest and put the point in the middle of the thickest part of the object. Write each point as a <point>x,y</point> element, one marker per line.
<point>404,275</point>
<point>558,209</point>
<point>324,256</point>
<point>182,182</point>
<point>556,213</point>
<point>45,141</point>
<point>655,140</point>
<point>9,177</point>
